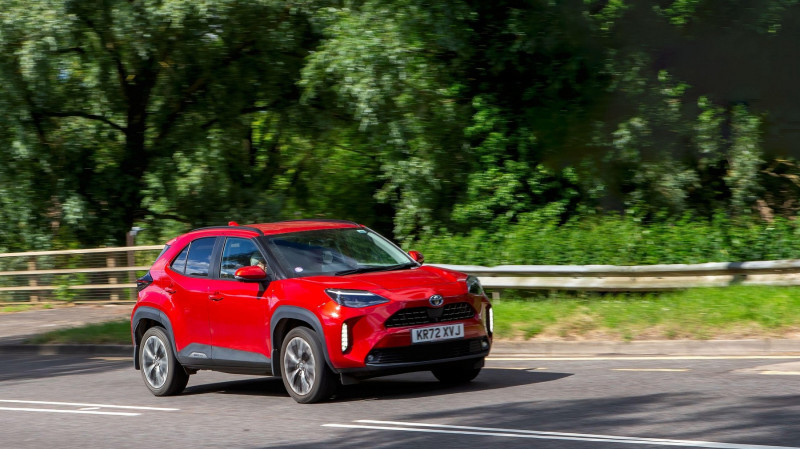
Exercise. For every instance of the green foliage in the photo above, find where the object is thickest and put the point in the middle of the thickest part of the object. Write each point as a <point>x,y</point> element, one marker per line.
<point>538,239</point>
<point>417,118</point>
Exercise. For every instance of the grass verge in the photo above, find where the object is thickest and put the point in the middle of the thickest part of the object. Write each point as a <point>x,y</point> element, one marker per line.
<point>112,332</point>
<point>708,313</point>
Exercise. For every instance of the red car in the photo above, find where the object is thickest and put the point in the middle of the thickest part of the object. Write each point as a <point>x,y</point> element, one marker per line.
<point>319,303</point>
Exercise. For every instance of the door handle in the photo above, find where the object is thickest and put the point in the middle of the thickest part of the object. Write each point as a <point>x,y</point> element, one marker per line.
<point>170,290</point>
<point>215,297</point>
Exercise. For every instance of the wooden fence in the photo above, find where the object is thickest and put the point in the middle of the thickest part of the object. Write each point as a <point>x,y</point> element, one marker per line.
<point>109,274</point>
<point>79,276</point>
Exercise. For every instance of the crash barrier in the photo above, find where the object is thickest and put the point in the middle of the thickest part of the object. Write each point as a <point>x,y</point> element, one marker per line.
<point>109,275</point>
<point>634,278</point>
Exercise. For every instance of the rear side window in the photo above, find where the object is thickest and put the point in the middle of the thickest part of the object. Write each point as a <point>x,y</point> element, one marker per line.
<point>195,259</point>
<point>198,262</point>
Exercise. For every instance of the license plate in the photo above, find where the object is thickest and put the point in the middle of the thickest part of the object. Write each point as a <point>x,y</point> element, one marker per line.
<point>436,333</point>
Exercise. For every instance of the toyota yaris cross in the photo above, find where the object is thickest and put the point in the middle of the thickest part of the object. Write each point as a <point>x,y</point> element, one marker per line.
<point>319,303</point>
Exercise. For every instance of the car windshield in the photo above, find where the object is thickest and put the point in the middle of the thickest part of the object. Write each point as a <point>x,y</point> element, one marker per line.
<point>336,252</point>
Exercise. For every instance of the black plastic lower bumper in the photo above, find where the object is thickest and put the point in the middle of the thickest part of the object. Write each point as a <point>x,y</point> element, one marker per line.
<point>423,357</point>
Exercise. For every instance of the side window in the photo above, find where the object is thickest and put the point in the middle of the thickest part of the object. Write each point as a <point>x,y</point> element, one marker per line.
<point>179,264</point>
<point>239,253</point>
<point>198,261</point>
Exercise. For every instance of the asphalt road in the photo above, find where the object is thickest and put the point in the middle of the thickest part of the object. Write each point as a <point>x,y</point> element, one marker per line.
<point>594,403</point>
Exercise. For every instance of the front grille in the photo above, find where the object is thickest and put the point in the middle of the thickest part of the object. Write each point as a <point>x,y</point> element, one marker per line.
<point>427,315</point>
<point>425,352</point>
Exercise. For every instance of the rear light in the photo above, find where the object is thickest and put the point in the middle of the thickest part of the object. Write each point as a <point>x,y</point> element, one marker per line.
<point>143,282</point>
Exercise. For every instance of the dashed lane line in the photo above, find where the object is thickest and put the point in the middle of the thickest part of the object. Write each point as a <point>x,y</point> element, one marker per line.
<point>654,370</point>
<point>522,358</point>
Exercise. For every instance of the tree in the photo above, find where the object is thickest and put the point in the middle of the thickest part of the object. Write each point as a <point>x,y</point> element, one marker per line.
<point>116,101</point>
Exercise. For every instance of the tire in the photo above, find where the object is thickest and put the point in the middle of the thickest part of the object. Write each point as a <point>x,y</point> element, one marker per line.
<point>305,374</point>
<point>458,373</point>
<point>162,373</point>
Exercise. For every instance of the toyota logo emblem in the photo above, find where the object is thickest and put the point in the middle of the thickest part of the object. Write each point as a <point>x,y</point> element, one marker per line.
<point>436,300</point>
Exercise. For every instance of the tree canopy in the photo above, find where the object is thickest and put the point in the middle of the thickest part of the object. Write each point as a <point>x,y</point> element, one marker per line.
<point>410,116</point>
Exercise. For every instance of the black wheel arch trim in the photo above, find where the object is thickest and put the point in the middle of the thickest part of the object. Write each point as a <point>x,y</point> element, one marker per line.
<point>151,313</point>
<point>299,314</point>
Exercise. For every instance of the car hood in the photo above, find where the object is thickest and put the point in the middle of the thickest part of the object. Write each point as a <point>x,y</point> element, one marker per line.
<point>414,278</point>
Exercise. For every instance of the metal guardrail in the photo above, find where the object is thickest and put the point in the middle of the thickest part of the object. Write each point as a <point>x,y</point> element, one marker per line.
<point>108,275</point>
<point>635,278</point>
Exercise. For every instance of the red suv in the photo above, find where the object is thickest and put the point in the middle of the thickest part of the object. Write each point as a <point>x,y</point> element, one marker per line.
<point>319,303</point>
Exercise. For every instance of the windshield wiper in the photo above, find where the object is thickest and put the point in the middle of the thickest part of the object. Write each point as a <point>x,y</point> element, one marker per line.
<point>401,266</point>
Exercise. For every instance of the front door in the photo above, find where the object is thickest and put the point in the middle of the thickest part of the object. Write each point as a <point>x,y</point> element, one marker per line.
<point>239,310</point>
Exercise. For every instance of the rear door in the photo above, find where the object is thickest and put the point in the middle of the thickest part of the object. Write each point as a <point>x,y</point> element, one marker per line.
<point>188,287</point>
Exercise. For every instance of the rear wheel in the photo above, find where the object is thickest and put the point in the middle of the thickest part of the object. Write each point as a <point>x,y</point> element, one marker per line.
<point>162,373</point>
<point>458,373</point>
<point>305,374</point>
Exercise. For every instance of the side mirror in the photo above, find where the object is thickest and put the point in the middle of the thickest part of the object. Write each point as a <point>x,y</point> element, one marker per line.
<point>417,256</point>
<point>250,274</point>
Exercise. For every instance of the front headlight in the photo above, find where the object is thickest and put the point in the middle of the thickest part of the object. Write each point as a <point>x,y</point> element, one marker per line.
<point>355,298</point>
<point>474,285</point>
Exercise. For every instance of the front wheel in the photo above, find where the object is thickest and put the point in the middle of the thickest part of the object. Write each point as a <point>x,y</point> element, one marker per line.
<point>305,374</point>
<point>458,373</point>
<point>161,371</point>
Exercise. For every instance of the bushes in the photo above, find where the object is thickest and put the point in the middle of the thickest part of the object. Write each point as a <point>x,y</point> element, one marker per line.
<point>616,241</point>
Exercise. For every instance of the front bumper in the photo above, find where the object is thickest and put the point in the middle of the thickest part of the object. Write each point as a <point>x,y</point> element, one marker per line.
<point>424,357</point>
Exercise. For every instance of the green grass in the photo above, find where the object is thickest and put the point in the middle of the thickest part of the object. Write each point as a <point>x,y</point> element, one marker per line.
<point>23,307</point>
<point>112,332</point>
<point>732,312</point>
<point>15,308</point>
<point>703,313</point>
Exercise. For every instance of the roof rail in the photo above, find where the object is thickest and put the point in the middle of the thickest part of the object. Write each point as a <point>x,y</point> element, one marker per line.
<point>244,228</point>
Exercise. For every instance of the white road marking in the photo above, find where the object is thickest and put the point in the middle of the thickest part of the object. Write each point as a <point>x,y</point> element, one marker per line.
<point>518,368</point>
<point>522,358</point>
<point>656,370</point>
<point>111,359</point>
<point>52,410</point>
<point>516,433</point>
<point>783,373</point>
<point>75,404</point>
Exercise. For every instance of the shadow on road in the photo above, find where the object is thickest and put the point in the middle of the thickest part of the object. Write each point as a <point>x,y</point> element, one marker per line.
<point>13,367</point>
<point>414,385</point>
<point>763,420</point>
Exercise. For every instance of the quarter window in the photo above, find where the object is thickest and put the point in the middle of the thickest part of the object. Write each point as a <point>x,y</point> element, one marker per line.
<point>239,253</point>
<point>179,264</point>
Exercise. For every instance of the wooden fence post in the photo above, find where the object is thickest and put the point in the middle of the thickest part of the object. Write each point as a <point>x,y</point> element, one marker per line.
<point>111,262</point>
<point>32,281</point>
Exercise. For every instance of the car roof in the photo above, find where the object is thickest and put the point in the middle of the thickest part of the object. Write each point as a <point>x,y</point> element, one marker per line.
<point>283,227</point>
